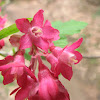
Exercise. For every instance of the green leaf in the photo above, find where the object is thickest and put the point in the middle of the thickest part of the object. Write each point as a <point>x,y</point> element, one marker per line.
<point>26,55</point>
<point>61,42</point>
<point>1,78</point>
<point>10,30</point>
<point>70,27</point>
<point>67,28</point>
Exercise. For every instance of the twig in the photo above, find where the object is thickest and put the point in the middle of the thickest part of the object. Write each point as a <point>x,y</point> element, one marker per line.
<point>91,57</point>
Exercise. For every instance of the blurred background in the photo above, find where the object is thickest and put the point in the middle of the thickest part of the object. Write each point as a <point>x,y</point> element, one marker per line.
<point>85,84</point>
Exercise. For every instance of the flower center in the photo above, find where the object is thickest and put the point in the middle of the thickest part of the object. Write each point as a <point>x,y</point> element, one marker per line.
<point>70,58</point>
<point>36,31</point>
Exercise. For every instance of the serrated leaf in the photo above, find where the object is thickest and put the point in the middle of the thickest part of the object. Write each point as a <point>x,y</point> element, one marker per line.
<point>67,28</point>
<point>70,27</point>
<point>61,43</point>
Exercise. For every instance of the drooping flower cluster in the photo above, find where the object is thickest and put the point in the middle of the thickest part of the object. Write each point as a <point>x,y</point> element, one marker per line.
<point>39,38</point>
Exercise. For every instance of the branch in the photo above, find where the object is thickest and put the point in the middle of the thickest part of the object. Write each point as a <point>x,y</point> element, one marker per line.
<point>91,57</point>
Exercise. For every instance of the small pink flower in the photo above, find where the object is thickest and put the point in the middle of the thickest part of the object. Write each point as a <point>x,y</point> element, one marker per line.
<point>2,22</point>
<point>14,69</point>
<point>62,59</point>
<point>50,88</point>
<point>14,40</point>
<point>28,88</point>
<point>2,43</point>
<point>36,33</point>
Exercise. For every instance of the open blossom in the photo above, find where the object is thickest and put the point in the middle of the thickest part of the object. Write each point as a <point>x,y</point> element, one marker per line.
<point>13,69</point>
<point>50,88</point>
<point>28,88</point>
<point>36,33</point>
<point>62,59</point>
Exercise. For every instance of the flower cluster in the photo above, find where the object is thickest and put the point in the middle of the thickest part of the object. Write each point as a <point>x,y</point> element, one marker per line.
<point>39,38</point>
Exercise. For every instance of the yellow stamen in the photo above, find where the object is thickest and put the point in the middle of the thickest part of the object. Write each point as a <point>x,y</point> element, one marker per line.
<point>38,31</point>
<point>75,61</point>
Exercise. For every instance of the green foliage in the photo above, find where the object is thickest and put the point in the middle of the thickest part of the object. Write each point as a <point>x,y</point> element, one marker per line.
<point>1,78</point>
<point>8,31</point>
<point>61,42</point>
<point>26,55</point>
<point>2,3</point>
<point>67,28</point>
<point>70,27</point>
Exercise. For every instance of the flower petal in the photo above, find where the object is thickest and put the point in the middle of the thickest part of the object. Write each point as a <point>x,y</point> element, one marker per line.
<point>57,70</point>
<point>2,22</point>
<point>38,19</point>
<point>14,91</point>
<point>29,72</point>
<point>23,25</point>
<point>25,42</point>
<point>52,60</point>
<point>22,80</point>
<point>63,94</point>
<point>22,94</point>
<point>41,43</point>
<point>8,78</point>
<point>47,23</point>
<point>5,67</point>
<point>50,33</point>
<point>2,43</point>
<point>6,60</point>
<point>14,40</point>
<point>74,46</point>
<point>47,83</point>
<point>78,56</point>
<point>45,87</point>
<point>56,51</point>
<point>66,71</point>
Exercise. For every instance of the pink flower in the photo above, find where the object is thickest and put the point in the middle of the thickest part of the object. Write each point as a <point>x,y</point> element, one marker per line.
<point>36,33</point>
<point>2,22</point>
<point>14,40</point>
<point>2,43</point>
<point>28,88</point>
<point>15,69</point>
<point>62,59</point>
<point>50,88</point>
<point>6,60</point>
